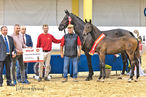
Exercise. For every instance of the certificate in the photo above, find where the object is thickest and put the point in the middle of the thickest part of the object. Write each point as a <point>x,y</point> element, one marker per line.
<point>32,55</point>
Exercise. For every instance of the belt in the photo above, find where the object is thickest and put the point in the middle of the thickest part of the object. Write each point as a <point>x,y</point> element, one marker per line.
<point>46,51</point>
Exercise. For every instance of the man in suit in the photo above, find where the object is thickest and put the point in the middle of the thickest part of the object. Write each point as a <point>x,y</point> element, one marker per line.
<point>28,42</point>
<point>7,51</point>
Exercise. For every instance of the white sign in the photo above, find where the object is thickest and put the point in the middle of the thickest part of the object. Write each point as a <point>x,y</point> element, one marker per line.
<point>32,55</point>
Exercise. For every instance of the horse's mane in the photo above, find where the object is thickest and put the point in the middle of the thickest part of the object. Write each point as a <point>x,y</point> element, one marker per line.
<point>81,23</point>
<point>95,31</point>
<point>95,28</point>
<point>77,17</point>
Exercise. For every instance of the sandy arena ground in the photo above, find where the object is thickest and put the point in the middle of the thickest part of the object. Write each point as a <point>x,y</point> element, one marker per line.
<point>112,87</point>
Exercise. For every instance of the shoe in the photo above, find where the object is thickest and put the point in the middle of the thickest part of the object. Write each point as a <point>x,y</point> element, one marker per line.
<point>75,80</point>
<point>71,75</point>
<point>14,82</point>
<point>46,79</point>
<point>1,85</point>
<point>25,82</point>
<point>39,79</point>
<point>18,80</point>
<point>64,80</point>
<point>10,84</point>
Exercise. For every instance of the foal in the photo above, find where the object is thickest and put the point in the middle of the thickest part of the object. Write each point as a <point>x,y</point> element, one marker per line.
<point>113,46</point>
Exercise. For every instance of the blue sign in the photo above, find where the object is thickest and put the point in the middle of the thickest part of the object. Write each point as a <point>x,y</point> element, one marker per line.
<point>145,12</point>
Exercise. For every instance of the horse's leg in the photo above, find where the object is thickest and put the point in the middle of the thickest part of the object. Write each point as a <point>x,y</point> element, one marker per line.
<point>89,67</point>
<point>102,66</point>
<point>138,60</point>
<point>137,69</point>
<point>133,62</point>
<point>100,76</point>
<point>124,59</point>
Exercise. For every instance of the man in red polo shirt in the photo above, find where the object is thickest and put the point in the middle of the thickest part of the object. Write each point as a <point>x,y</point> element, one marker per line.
<point>45,42</point>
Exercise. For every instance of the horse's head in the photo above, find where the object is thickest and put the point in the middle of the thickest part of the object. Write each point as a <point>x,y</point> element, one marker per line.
<point>87,28</point>
<point>65,21</point>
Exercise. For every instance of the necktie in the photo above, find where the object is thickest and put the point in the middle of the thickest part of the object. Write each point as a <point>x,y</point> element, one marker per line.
<point>23,39</point>
<point>7,46</point>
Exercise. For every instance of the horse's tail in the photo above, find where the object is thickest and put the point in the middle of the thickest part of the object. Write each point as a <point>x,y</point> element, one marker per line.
<point>132,34</point>
<point>137,53</point>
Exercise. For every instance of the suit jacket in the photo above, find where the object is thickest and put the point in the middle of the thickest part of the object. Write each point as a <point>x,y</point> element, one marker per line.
<point>3,47</point>
<point>28,40</point>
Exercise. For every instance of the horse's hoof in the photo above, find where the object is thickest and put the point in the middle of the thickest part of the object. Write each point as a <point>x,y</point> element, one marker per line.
<point>98,80</point>
<point>102,80</point>
<point>129,80</point>
<point>88,79</point>
<point>136,80</point>
<point>120,77</point>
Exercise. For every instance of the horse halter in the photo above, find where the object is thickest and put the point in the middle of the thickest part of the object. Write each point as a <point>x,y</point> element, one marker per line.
<point>69,20</point>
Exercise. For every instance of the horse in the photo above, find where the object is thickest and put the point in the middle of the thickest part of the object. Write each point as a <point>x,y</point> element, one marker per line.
<point>79,27</point>
<point>110,45</point>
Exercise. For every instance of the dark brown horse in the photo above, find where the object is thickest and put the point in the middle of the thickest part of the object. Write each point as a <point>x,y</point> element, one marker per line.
<point>86,45</point>
<point>110,45</point>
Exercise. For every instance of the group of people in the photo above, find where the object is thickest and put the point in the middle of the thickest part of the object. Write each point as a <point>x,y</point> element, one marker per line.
<point>11,53</point>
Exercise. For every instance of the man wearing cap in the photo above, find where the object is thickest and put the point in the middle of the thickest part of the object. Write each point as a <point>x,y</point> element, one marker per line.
<point>45,42</point>
<point>70,41</point>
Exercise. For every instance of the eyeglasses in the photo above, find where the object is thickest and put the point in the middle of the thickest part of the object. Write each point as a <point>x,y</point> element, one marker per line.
<point>69,27</point>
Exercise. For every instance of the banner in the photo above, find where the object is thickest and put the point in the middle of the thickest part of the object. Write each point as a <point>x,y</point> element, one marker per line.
<point>32,55</point>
